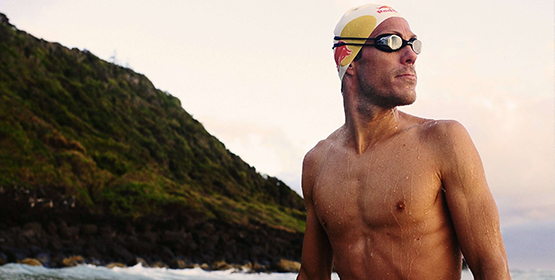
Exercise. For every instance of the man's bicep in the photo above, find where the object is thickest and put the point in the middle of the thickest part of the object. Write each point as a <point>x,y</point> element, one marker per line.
<point>317,255</point>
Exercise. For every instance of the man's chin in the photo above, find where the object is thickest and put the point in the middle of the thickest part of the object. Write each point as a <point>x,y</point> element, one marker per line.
<point>408,101</point>
<point>392,99</point>
<point>404,100</point>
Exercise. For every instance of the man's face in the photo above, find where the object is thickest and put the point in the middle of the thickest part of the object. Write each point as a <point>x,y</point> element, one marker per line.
<point>388,79</point>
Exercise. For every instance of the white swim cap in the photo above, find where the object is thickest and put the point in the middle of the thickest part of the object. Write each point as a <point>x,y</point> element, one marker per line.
<point>358,22</point>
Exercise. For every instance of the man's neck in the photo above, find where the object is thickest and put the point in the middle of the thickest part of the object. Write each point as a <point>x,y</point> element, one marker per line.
<point>368,124</point>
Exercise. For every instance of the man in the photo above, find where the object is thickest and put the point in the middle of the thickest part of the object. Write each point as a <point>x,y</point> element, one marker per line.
<point>390,195</point>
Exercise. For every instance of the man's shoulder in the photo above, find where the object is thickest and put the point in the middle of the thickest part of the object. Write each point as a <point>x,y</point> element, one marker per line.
<point>314,158</point>
<point>445,138</point>
<point>433,128</point>
<point>442,130</point>
<point>318,152</point>
<point>438,134</point>
<point>324,145</point>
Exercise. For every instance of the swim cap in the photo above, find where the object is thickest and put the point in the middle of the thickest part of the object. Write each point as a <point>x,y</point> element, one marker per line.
<point>358,22</point>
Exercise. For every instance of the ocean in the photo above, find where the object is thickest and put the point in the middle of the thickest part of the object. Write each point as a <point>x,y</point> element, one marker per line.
<point>90,272</point>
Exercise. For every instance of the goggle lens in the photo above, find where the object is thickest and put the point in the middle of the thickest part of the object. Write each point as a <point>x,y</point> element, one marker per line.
<point>392,43</point>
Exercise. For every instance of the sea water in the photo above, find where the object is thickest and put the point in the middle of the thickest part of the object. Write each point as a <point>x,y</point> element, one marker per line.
<point>90,272</point>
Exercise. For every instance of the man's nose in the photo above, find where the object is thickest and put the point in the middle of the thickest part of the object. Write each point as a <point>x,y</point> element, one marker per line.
<point>408,56</point>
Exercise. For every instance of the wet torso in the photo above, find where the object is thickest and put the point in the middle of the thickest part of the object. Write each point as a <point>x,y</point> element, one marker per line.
<point>384,210</point>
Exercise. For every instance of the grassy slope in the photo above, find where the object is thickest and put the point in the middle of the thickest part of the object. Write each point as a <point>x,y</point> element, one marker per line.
<point>82,127</point>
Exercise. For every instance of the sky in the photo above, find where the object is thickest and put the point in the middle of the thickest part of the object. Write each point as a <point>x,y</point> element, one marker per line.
<point>260,76</point>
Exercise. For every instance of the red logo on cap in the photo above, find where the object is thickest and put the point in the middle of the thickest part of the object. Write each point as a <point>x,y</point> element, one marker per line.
<point>384,9</point>
<point>340,53</point>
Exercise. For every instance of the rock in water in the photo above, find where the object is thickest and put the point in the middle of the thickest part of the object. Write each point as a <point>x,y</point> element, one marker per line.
<point>31,262</point>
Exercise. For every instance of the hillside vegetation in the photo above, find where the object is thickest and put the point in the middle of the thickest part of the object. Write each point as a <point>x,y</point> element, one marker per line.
<point>77,132</point>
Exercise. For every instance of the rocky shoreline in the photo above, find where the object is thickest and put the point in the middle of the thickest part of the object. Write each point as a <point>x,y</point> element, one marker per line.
<point>66,236</point>
<point>211,246</point>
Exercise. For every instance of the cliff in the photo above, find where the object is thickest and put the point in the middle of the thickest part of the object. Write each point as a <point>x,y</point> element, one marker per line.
<point>84,142</point>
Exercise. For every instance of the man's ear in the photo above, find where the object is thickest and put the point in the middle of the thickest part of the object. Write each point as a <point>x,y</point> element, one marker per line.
<point>351,69</point>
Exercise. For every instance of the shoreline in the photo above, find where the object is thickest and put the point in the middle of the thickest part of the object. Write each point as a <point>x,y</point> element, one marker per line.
<point>56,239</point>
<point>284,266</point>
<point>210,246</point>
<point>90,272</point>
<point>68,246</point>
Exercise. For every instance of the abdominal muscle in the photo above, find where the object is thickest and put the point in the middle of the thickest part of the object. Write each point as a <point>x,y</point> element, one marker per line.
<point>378,254</point>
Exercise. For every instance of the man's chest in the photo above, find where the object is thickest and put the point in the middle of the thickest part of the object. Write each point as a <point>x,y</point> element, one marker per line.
<point>379,190</point>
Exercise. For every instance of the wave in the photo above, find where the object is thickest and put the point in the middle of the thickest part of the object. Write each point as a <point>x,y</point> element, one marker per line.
<point>90,272</point>
<point>138,272</point>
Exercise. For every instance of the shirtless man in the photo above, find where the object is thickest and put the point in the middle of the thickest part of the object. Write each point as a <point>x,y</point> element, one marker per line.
<point>390,195</point>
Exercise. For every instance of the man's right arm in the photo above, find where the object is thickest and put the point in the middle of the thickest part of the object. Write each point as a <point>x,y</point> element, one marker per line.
<point>317,255</point>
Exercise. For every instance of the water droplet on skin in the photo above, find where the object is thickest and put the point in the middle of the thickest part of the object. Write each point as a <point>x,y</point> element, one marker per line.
<point>395,116</point>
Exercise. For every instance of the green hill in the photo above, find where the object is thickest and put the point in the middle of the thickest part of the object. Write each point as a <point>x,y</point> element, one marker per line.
<point>77,132</point>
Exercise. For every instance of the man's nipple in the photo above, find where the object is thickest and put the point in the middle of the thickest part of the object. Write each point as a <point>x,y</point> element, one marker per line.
<point>400,206</point>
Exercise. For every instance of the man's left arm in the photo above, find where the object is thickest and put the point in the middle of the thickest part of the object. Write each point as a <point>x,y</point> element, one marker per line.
<point>471,204</point>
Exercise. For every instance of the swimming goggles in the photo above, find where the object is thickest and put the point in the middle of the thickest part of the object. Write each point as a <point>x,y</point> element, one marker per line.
<point>384,42</point>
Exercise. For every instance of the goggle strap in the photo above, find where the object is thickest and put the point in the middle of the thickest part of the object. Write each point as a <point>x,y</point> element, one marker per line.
<point>337,38</point>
